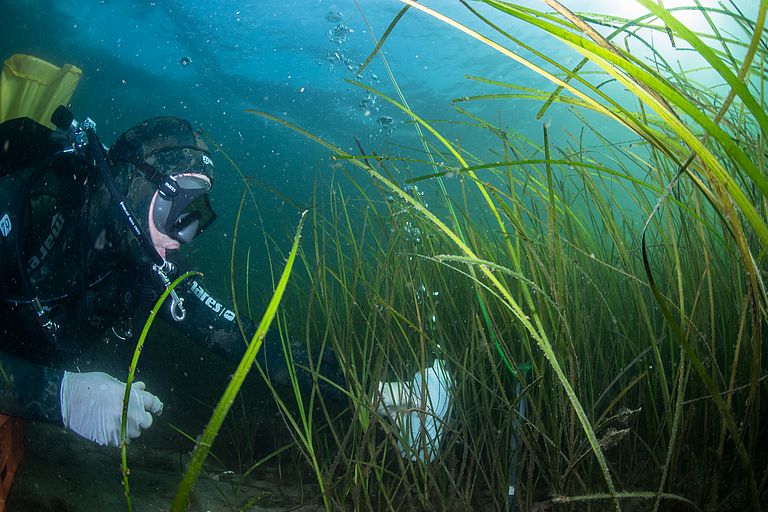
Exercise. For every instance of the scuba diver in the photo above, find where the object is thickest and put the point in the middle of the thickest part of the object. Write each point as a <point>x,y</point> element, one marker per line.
<point>89,239</point>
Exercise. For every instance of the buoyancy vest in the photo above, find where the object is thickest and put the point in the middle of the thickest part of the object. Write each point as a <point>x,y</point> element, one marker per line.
<point>57,238</point>
<point>41,194</point>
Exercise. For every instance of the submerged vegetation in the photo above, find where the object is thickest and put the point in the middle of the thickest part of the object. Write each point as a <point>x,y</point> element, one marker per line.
<point>599,300</point>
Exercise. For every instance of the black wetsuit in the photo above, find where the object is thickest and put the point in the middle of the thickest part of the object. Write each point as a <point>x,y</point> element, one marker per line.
<point>59,224</point>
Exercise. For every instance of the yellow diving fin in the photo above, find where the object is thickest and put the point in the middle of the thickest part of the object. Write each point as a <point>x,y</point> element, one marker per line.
<point>31,87</point>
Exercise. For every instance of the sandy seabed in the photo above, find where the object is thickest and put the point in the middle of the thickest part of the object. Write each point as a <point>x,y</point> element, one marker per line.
<point>62,472</point>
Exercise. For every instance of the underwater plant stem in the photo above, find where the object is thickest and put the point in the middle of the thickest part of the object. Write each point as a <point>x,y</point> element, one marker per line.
<point>599,39</point>
<point>305,423</point>
<point>181,500</point>
<point>441,184</point>
<point>232,269</point>
<point>554,238</point>
<point>132,373</point>
<point>247,281</point>
<point>383,38</point>
<point>624,495</point>
<point>682,380</point>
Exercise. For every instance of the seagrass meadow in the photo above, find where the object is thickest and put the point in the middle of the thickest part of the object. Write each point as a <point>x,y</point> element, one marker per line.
<point>597,290</point>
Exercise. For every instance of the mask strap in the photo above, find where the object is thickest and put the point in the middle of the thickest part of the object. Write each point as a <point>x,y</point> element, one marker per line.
<point>168,188</point>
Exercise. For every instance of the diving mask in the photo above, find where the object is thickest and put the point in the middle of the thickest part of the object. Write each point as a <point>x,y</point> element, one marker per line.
<point>181,208</point>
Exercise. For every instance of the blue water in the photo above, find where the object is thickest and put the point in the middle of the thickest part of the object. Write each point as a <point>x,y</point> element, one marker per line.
<point>290,58</point>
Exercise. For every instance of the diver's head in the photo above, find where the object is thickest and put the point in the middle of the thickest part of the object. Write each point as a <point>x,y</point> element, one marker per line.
<point>165,172</point>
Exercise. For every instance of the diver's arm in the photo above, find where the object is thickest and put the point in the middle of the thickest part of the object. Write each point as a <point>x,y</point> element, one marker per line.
<point>211,322</point>
<point>89,404</point>
<point>28,390</point>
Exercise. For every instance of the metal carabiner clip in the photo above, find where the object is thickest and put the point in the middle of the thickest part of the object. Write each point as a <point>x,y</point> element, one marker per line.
<point>178,313</point>
<point>177,303</point>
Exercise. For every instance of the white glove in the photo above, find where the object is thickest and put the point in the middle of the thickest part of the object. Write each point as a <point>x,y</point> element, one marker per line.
<point>401,401</point>
<point>92,406</point>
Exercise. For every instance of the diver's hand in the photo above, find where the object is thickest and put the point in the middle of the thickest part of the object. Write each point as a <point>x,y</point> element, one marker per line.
<point>92,406</point>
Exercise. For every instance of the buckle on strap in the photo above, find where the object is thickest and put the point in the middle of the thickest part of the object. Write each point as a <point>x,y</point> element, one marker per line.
<point>178,312</point>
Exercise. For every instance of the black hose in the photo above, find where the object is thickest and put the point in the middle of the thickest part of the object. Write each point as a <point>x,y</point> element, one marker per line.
<point>143,301</point>
<point>99,160</point>
<point>51,329</point>
<point>514,445</point>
